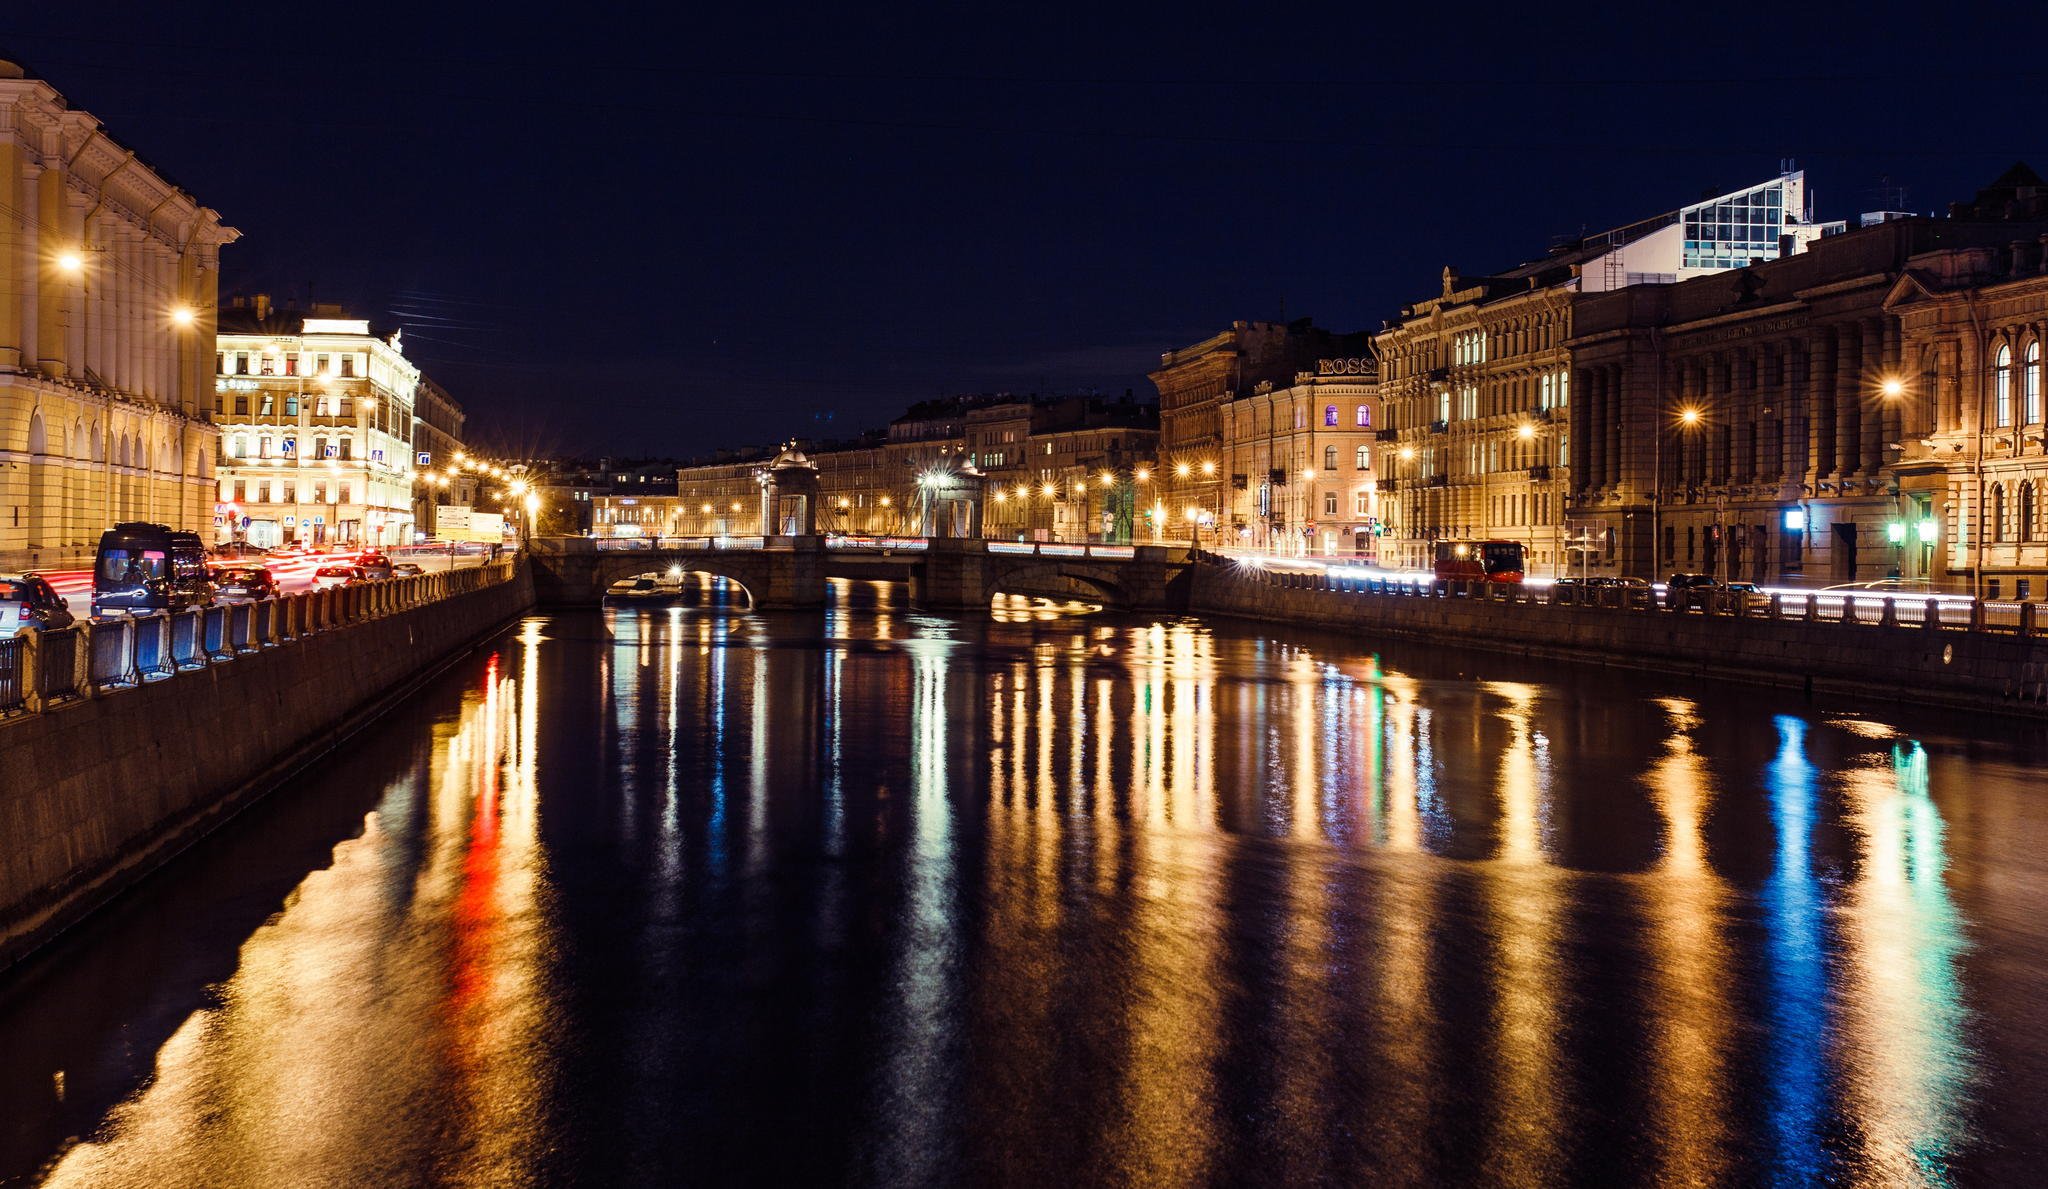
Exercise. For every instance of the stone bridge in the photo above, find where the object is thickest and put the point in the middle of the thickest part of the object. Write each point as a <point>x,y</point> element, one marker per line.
<point>944,573</point>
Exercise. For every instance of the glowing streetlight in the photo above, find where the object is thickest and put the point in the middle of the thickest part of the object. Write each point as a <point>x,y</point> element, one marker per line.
<point>1108,480</point>
<point>1525,431</point>
<point>885,501</point>
<point>1181,469</point>
<point>1209,468</point>
<point>1893,388</point>
<point>1407,454</point>
<point>1143,474</point>
<point>706,509</point>
<point>71,262</point>
<point>182,315</point>
<point>1002,496</point>
<point>1689,416</point>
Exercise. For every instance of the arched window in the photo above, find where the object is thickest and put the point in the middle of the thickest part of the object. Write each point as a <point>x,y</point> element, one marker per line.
<point>1997,512</point>
<point>2001,386</point>
<point>2030,384</point>
<point>1363,459</point>
<point>2027,510</point>
<point>38,437</point>
<point>1329,458</point>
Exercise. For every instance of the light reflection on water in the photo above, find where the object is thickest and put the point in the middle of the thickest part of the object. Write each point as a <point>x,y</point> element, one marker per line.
<point>892,897</point>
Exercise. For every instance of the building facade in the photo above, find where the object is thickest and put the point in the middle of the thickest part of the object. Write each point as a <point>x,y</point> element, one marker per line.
<point>1194,384</point>
<point>316,424</point>
<point>437,444</point>
<point>1972,471</point>
<point>1302,476</point>
<point>1766,425</point>
<point>1479,382</point>
<point>108,283</point>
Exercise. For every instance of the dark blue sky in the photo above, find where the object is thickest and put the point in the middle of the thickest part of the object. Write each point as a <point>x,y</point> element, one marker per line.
<point>613,233</point>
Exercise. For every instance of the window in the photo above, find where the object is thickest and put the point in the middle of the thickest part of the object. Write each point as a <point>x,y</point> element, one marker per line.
<point>1363,417</point>
<point>291,364</point>
<point>2027,510</point>
<point>2001,386</point>
<point>241,491</point>
<point>348,365</point>
<point>1443,404</point>
<point>290,495</point>
<point>1330,416</point>
<point>1329,458</point>
<point>2030,383</point>
<point>220,363</point>
<point>268,367</point>
<point>238,446</point>
<point>1329,503</point>
<point>263,446</point>
<point>241,363</point>
<point>1363,459</point>
<point>319,493</point>
<point>242,405</point>
<point>1998,512</point>
<point>291,406</point>
<point>347,451</point>
<point>343,498</point>
<point>322,363</point>
<point>1361,504</point>
<point>1543,393</point>
<point>265,407</point>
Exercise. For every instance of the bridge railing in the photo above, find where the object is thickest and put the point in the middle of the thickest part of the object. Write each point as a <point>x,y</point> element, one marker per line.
<point>648,544</point>
<point>42,668</point>
<point>1063,549</point>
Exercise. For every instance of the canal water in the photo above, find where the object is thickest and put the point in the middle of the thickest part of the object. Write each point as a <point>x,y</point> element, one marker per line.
<point>675,894</point>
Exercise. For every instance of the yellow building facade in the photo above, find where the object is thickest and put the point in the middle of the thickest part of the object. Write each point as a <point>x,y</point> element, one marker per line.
<point>1300,463</point>
<point>108,283</point>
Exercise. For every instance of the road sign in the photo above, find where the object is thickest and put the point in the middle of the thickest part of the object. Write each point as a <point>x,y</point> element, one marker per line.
<point>289,521</point>
<point>424,458</point>
<point>245,522</point>
<point>319,520</point>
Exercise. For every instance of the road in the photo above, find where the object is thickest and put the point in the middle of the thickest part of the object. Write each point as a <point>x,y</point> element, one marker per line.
<point>293,574</point>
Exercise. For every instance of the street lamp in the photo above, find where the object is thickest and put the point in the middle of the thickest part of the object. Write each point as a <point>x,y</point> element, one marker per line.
<point>1688,417</point>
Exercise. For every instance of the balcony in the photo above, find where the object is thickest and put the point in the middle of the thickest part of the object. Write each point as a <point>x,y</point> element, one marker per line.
<point>1540,472</point>
<point>1437,481</point>
<point>1386,435</point>
<point>1439,427</point>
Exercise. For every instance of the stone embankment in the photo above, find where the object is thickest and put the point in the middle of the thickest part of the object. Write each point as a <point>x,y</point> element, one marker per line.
<point>121,743</point>
<point>1953,653</point>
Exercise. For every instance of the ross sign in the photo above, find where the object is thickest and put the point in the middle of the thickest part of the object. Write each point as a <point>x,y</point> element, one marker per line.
<point>1345,367</point>
<point>424,458</point>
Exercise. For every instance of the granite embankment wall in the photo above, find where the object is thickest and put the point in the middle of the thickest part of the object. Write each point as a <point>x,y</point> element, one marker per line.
<point>97,791</point>
<point>2002,668</point>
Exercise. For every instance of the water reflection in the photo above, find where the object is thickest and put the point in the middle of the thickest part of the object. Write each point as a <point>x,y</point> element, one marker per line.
<point>883,896</point>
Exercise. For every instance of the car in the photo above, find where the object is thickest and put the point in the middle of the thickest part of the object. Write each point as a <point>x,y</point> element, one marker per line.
<point>406,569</point>
<point>329,577</point>
<point>1747,596</point>
<point>374,563</point>
<point>1688,590</point>
<point>27,601</point>
<point>142,568</point>
<point>245,582</point>
<point>236,551</point>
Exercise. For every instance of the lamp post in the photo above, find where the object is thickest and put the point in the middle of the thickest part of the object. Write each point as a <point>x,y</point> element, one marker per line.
<point>1688,417</point>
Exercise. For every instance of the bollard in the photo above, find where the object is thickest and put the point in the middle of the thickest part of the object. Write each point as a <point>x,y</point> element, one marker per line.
<point>1889,617</point>
<point>1976,615</point>
<point>1812,608</point>
<point>2027,619</point>
<point>1777,607</point>
<point>1932,616</point>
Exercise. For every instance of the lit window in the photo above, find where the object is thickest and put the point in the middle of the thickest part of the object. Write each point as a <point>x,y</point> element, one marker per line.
<point>1364,420</point>
<point>2002,385</point>
<point>1364,458</point>
<point>1329,503</point>
<point>1330,416</point>
<point>2031,383</point>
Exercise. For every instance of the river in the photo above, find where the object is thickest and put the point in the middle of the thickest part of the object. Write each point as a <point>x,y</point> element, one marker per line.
<point>675,894</point>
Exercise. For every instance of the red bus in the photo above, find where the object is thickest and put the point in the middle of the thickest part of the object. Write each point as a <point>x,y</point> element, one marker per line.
<point>1479,561</point>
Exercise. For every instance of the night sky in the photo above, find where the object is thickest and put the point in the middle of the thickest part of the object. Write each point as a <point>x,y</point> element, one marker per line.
<point>614,234</point>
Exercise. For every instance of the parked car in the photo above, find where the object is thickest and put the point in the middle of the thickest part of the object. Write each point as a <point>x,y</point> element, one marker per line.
<point>1688,590</point>
<point>236,551</point>
<point>374,563</point>
<point>329,577</point>
<point>406,569</point>
<point>245,582</point>
<point>27,601</point>
<point>142,568</point>
<point>1747,595</point>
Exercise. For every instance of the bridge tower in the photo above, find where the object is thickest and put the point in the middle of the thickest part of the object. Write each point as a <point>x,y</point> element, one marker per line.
<point>789,495</point>
<point>951,500</point>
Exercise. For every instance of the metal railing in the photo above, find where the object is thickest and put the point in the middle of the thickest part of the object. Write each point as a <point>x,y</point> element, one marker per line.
<point>42,668</point>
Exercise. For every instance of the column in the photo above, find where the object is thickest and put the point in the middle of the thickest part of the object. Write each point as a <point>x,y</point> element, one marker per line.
<point>1616,404</point>
<point>1579,426</point>
<point>1876,415</point>
<point>1848,398</point>
<point>1594,445</point>
<point>1792,418</point>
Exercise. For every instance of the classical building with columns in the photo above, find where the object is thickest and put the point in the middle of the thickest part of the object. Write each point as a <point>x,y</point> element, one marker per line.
<point>1299,462</point>
<point>1478,380</point>
<point>1972,461</point>
<point>1752,424</point>
<point>108,281</point>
